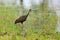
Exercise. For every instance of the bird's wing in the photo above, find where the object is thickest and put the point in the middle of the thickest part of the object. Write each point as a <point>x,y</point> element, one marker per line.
<point>22,18</point>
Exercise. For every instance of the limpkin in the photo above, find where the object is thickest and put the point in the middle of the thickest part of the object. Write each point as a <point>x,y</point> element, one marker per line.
<point>22,18</point>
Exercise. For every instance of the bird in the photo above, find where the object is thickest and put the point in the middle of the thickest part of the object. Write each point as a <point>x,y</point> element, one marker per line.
<point>22,18</point>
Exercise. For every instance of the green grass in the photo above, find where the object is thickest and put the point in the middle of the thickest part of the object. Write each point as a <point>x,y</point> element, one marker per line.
<point>32,26</point>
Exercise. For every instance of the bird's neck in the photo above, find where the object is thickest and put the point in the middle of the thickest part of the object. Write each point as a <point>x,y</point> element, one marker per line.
<point>28,14</point>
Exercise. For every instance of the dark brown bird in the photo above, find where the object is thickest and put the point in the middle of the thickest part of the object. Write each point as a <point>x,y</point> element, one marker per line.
<point>22,18</point>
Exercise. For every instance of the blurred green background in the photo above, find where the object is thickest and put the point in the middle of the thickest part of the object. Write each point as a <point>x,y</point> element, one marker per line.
<point>41,24</point>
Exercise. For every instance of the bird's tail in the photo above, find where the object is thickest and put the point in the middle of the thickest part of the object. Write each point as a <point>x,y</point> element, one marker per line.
<point>15,22</point>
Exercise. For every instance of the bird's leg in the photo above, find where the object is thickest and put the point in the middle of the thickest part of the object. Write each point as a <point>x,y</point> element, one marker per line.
<point>23,31</point>
<point>22,27</point>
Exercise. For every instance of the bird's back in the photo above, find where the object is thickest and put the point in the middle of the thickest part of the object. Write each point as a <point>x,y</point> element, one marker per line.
<point>21,19</point>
